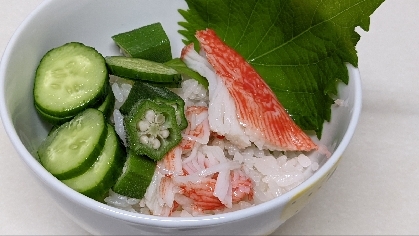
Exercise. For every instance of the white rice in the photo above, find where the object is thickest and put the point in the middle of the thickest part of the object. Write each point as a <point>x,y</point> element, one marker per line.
<point>271,173</point>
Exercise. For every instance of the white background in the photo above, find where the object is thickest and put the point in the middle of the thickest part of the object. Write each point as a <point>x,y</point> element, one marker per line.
<point>373,191</point>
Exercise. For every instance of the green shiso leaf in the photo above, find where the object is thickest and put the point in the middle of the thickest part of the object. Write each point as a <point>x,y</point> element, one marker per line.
<point>299,47</point>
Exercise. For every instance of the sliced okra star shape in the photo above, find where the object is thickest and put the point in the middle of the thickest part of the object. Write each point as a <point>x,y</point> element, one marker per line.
<point>152,129</point>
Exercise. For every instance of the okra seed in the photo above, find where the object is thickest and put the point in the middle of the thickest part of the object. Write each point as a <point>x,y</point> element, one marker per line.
<point>143,125</point>
<point>149,115</point>
<point>156,143</point>
<point>159,119</point>
<point>164,133</point>
<point>144,139</point>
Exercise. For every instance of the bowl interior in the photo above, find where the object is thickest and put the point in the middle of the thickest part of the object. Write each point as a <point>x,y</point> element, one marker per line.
<point>93,23</point>
<point>54,24</point>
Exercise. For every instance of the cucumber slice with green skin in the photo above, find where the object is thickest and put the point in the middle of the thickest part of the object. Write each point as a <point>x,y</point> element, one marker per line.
<point>149,42</point>
<point>140,69</point>
<point>107,105</point>
<point>159,95</point>
<point>137,176</point>
<point>52,119</point>
<point>152,129</point>
<point>73,147</point>
<point>53,128</point>
<point>102,175</point>
<point>69,79</point>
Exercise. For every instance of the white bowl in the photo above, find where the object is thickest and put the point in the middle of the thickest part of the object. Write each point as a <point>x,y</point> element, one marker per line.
<point>92,22</point>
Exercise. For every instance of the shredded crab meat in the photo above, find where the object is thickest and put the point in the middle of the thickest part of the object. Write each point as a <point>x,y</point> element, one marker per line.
<point>221,163</point>
<point>208,174</point>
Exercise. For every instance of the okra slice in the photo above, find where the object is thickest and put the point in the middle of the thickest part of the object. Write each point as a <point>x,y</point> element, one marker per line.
<point>152,129</point>
<point>159,95</point>
<point>149,42</point>
<point>137,176</point>
<point>141,69</point>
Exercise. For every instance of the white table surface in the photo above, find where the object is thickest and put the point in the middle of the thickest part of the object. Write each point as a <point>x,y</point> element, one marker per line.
<point>373,191</point>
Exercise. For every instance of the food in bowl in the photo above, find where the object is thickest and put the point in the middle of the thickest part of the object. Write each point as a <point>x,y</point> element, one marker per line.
<point>188,155</point>
<point>232,146</point>
<point>108,54</point>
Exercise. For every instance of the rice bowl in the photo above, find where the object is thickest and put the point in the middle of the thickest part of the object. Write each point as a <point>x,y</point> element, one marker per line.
<point>87,212</point>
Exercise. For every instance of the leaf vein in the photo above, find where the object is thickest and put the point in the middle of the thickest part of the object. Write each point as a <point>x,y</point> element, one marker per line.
<point>305,31</point>
<point>247,25</point>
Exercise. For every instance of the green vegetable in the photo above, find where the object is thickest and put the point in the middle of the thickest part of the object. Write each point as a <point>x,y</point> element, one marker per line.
<point>183,69</point>
<point>154,118</point>
<point>107,105</point>
<point>139,171</point>
<point>69,79</point>
<point>299,47</point>
<point>102,175</point>
<point>72,148</point>
<point>152,129</point>
<point>148,42</point>
<point>140,69</point>
<point>159,95</point>
<point>53,119</point>
<point>174,84</point>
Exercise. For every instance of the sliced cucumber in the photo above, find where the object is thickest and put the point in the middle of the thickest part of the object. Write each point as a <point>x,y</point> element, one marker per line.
<point>73,147</point>
<point>108,105</point>
<point>149,42</point>
<point>138,172</point>
<point>53,128</point>
<point>69,79</point>
<point>139,69</point>
<point>102,175</point>
<point>52,119</point>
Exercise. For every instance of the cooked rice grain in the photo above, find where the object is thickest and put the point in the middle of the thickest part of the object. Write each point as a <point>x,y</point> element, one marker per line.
<point>271,173</point>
